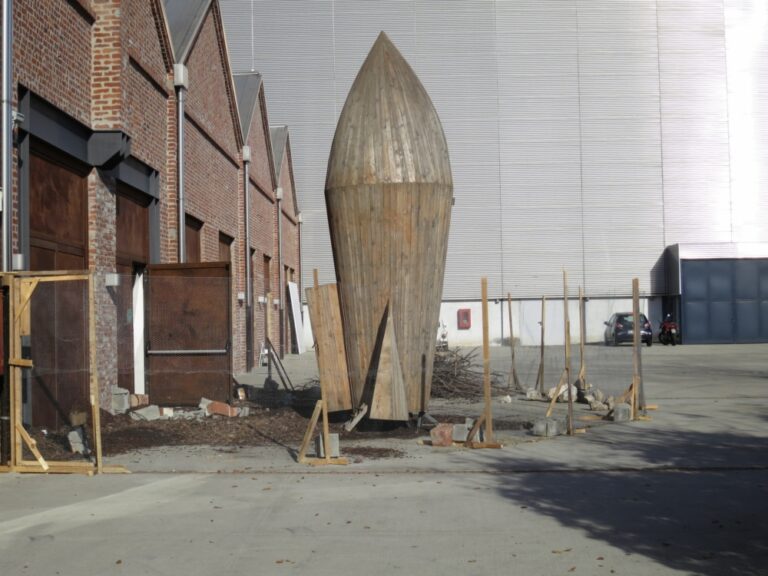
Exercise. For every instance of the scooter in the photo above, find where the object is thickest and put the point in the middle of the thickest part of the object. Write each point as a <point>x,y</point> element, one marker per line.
<point>668,331</point>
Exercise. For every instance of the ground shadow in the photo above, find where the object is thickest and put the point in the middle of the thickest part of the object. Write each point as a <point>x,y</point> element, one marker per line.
<point>701,506</point>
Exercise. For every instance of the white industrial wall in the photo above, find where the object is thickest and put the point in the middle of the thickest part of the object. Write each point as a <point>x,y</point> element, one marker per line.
<point>584,134</point>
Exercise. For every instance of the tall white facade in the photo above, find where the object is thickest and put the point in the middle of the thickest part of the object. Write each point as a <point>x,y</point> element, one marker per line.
<point>585,135</point>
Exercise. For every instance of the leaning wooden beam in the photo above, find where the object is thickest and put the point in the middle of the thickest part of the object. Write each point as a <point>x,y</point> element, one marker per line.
<point>568,353</point>
<point>32,445</point>
<point>301,457</point>
<point>637,379</point>
<point>582,379</point>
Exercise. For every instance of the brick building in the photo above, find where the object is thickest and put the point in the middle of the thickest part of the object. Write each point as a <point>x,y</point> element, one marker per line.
<point>101,85</point>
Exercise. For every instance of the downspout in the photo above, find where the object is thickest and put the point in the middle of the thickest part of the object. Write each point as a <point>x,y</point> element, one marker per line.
<point>7,125</point>
<point>181,83</point>
<point>248,273</point>
<point>279,196</point>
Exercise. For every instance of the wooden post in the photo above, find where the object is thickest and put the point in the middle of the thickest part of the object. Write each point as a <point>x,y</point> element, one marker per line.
<point>14,373</point>
<point>540,376</point>
<point>566,325</point>
<point>486,364</point>
<point>582,379</point>
<point>513,378</point>
<point>94,372</point>
<point>323,396</point>
<point>568,375</point>
<point>636,342</point>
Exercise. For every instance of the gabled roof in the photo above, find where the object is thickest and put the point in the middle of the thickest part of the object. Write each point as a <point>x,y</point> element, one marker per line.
<point>279,137</point>
<point>184,20</point>
<point>247,87</point>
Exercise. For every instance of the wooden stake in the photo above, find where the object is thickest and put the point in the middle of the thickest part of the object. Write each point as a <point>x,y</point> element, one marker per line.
<point>486,364</point>
<point>568,375</point>
<point>32,445</point>
<point>540,376</point>
<point>308,434</point>
<point>636,342</point>
<point>582,379</point>
<point>94,370</point>
<point>513,379</point>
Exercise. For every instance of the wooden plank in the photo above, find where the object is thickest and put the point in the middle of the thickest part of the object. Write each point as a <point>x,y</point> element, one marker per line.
<point>14,351</point>
<point>32,445</point>
<point>475,428</point>
<point>563,380</point>
<point>21,362</point>
<point>301,457</point>
<point>324,462</point>
<point>325,315</point>
<point>488,413</point>
<point>568,352</point>
<point>583,384</point>
<point>389,401</point>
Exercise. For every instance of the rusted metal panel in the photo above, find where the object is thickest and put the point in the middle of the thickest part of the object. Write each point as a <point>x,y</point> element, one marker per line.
<point>58,342</point>
<point>388,194</point>
<point>188,333</point>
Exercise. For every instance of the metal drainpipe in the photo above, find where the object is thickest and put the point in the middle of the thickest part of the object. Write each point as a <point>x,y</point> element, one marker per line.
<point>248,274</point>
<point>246,176</point>
<point>7,125</point>
<point>180,81</point>
<point>279,195</point>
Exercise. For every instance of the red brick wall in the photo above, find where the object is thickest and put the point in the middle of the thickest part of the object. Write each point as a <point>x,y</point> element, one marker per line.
<point>52,48</point>
<point>290,235</point>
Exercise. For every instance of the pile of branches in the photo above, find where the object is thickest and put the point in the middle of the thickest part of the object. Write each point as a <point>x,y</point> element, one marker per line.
<point>458,374</point>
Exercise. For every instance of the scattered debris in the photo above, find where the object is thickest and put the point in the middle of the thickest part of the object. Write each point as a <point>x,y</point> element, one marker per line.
<point>148,413</point>
<point>622,413</point>
<point>442,435</point>
<point>548,427</point>
<point>563,395</point>
<point>457,374</point>
<point>533,394</point>
<point>77,441</point>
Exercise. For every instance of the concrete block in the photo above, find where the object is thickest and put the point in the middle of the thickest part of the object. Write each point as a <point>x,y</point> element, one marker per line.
<point>76,441</point>
<point>622,413</point>
<point>244,411</point>
<point>596,406</point>
<point>442,435</point>
<point>121,402</point>
<point>333,441</point>
<point>547,427</point>
<point>460,433</point>
<point>148,413</point>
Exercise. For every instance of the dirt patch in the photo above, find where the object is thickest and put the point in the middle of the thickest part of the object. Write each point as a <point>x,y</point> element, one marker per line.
<point>283,426</point>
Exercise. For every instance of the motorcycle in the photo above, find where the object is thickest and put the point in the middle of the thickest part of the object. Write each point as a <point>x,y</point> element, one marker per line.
<point>669,332</point>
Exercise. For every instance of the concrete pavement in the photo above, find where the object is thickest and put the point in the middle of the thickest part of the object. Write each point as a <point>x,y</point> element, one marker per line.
<point>685,493</point>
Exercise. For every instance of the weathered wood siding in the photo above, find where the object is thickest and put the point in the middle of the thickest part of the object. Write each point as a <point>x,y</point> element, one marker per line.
<point>388,193</point>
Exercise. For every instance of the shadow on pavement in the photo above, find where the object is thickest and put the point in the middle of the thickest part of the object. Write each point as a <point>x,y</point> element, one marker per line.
<point>700,507</point>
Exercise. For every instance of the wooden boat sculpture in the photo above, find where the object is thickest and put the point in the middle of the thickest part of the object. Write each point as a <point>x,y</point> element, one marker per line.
<point>388,193</point>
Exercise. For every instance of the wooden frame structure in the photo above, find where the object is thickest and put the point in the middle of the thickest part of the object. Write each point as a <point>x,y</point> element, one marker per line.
<point>20,287</point>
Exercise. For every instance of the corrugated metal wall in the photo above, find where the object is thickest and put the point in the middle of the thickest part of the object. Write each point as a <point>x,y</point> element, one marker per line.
<point>585,134</point>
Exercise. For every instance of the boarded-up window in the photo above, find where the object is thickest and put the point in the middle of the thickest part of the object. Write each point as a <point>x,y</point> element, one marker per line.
<point>192,228</point>
<point>225,247</point>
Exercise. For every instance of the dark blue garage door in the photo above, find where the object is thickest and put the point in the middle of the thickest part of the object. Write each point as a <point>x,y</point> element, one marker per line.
<point>725,301</point>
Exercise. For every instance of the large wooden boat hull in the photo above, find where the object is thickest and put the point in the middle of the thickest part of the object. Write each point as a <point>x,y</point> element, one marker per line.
<point>388,194</point>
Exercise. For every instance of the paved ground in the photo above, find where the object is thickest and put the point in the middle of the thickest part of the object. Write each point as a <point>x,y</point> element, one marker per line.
<point>686,493</point>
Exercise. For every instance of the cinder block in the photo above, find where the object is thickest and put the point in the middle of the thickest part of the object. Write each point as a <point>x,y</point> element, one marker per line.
<point>120,400</point>
<point>532,394</point>
<point>76,441</point>
<point>622,413</point>
<point>460,433</point>
<point>442,435</point>
<point>149,413</point>
<point>333,441</point>
<point>547,427</point>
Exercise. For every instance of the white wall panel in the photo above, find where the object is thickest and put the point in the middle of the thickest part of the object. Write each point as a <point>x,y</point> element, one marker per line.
<point>585,134</point>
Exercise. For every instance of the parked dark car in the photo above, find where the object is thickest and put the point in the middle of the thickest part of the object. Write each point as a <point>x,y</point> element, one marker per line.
<point>620,328</point>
